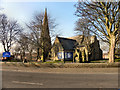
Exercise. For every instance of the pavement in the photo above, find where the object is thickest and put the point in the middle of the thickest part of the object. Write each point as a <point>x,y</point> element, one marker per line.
<point>26,77</point>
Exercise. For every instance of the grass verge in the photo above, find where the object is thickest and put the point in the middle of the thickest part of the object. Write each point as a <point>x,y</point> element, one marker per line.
<point>65,65</point>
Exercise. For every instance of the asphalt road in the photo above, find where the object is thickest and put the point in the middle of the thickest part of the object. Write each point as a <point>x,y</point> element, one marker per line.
<point>13,79</point>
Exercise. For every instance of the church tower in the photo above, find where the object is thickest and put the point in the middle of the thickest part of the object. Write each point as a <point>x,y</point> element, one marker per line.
<point>45,37</point>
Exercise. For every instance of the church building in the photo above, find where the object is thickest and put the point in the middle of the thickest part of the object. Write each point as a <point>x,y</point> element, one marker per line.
<point>76,49</point>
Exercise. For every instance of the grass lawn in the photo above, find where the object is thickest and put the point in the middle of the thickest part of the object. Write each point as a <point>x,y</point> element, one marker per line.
<point>104,61</point>
<point>94,61</point>
<point>117,60</point>
<point>57,61</point>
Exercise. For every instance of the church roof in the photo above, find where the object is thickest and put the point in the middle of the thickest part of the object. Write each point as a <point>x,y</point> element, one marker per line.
<point>77,41</point>
<point>67,44</point>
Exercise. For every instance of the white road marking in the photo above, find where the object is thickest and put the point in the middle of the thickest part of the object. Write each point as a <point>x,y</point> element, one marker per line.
<point>27,83</point>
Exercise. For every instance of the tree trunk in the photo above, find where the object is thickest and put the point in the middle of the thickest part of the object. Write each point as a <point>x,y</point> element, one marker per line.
<point>21,56</point>
<point>30,53</point>
<point>38,54</point>
<point>24,55</point>
<point>4,47</point>
<point>112,50</point>
<point>43,56</point>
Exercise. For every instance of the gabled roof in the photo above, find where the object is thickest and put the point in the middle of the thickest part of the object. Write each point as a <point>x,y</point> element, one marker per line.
<point>67,44</point>
<point>81,39</point>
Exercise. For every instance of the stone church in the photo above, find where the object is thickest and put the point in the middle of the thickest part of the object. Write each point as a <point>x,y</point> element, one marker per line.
<point>76,49</point>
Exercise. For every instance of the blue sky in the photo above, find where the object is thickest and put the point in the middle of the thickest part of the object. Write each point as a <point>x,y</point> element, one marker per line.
<point>63,12</point>
<point>23,12</point>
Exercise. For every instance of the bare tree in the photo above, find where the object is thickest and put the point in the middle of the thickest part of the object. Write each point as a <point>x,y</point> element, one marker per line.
<point>35,33</point>
<point>81,27</point>
<point>103,18</point>
<point>8,32</point>
<point>22,45</point>
<point>36,27</point>
<point>117,48</point>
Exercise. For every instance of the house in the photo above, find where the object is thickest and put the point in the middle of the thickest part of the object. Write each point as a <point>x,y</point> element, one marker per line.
<point>77,49</point>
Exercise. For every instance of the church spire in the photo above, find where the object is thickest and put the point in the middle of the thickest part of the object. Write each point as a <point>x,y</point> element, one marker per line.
<point>45,20</point>
<point>45,37</point>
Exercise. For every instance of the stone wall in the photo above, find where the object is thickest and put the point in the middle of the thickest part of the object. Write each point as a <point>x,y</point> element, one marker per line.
<point>88,49</point>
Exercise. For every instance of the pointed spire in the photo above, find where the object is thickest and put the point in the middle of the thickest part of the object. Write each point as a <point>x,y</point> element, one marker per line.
<point>45,37</point>
<point>45,17</point>
<point>45,11</point>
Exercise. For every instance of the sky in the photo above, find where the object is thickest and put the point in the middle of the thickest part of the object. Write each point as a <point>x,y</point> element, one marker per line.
<point>63,12</point>
<point>23,12</point>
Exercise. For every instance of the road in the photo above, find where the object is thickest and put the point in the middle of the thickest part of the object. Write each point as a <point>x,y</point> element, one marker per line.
<point>14,79</point>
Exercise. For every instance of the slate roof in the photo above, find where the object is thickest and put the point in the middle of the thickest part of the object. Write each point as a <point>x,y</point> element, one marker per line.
<point>67,44</point>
